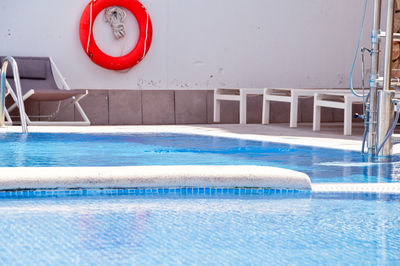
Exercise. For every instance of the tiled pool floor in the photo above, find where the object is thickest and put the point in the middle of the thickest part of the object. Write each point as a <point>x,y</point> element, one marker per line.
<point>138,230</point>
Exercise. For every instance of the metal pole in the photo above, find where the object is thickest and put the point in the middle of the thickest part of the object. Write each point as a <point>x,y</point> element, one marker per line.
<point>385,96</point>
<point>17,82</point>
<point>388,46</point>
<point>372,107</point>
<point>385,114</point>
<point>3,93</point>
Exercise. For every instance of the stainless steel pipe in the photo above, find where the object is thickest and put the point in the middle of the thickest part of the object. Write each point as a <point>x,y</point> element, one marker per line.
<point>3,94</point>
<point>372,110</point>
<point>388,46</point>
<point>385,114</point>
<point>20,101</point>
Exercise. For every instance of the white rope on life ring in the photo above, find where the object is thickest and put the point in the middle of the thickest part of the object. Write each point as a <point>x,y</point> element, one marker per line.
<point>147,31</point>
<point>90,28</point>
<point>115,16</point>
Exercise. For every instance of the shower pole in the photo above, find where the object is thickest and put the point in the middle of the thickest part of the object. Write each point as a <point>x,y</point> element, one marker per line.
<point>385,98</point>
<point>372,107</point>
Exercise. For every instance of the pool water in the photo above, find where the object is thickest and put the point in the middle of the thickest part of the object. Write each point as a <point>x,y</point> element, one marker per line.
<point>192,226</point>
<point>308,229</point>
<point>322,165</point>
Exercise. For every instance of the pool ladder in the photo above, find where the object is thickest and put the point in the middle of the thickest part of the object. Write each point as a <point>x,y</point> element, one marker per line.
<point>20,101</point>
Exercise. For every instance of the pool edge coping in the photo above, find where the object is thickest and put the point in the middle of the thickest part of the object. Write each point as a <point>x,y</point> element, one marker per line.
<point>220,131</point>
<point>162,176</point>
<point>380,188</point>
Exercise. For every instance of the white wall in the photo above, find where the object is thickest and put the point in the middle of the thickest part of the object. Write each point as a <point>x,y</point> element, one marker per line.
<point>201,43</point>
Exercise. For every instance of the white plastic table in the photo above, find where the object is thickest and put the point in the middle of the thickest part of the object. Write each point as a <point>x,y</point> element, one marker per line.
<point>291,96</point>
<point>240,95</point>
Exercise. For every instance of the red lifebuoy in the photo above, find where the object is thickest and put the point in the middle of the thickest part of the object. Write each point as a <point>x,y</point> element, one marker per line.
<point>94,52</point>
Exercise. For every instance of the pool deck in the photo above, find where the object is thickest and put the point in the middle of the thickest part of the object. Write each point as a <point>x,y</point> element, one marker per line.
<point>330,136</point>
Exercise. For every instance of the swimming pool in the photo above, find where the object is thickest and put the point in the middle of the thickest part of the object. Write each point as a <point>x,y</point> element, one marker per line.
<point>200,229</point>
<point>322,165</point>
<point>238,226</point>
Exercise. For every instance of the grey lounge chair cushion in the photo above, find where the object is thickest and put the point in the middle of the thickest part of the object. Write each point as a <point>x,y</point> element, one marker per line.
<point>36,74</point>
<point>29,68</point>
<point>47,90</point>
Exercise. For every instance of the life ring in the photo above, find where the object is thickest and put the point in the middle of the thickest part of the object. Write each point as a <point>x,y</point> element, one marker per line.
<point>94,52</point>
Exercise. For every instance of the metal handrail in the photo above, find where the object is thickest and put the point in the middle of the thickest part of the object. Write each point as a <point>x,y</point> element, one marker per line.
<point>20,101</point>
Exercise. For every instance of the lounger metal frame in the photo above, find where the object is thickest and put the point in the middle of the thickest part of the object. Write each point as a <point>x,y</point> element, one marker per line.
<point>62,85</point>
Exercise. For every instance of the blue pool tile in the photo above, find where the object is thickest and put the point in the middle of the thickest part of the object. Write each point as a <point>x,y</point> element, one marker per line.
<point>179,191</point>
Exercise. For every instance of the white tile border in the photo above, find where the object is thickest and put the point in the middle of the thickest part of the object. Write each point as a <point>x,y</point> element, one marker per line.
<point>387,188</point>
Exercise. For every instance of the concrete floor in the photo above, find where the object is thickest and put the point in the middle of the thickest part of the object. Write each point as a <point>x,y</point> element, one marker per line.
<point>330,136</point>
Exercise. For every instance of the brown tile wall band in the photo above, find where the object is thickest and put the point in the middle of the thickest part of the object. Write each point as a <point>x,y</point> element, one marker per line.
<point>158,107</point>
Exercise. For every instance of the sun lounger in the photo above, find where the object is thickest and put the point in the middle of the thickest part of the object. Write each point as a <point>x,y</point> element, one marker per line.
<point>42,81</point>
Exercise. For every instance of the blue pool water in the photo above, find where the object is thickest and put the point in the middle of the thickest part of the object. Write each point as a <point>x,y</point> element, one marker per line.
<point>302,229</point>
<point>322,165</point>
<point>195,226</point>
